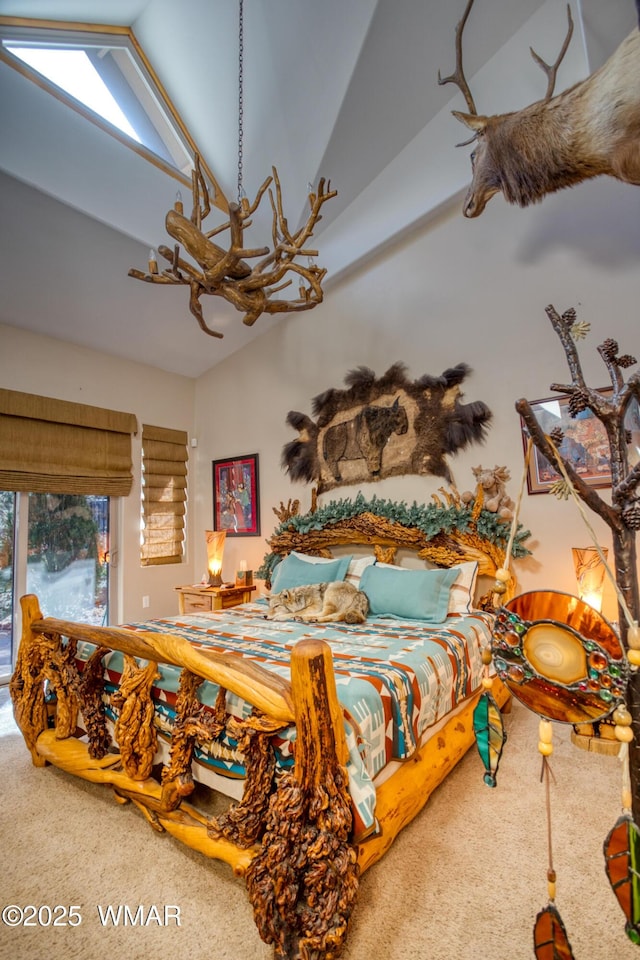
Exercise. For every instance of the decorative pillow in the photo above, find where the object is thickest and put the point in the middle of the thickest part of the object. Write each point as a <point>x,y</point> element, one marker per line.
<point>307,558</point>
<point>354,571</point>
<point>416,594</point>
<point>464,587</point>
<point>293,571</point>
<point>357,567</point>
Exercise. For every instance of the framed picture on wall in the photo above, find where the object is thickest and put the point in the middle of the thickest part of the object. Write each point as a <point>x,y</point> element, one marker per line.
<point>584,445</point>
<point>236,496</point>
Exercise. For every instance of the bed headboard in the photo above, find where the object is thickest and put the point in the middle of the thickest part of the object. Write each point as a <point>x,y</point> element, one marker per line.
<point>445,532</point>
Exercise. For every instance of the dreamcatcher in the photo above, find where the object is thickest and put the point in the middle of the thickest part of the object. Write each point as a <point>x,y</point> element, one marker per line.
<point>562,660</point>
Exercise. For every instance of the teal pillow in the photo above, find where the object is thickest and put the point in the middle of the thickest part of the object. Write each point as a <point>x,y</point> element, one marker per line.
<point>294,572</point>
<point>415,594</point>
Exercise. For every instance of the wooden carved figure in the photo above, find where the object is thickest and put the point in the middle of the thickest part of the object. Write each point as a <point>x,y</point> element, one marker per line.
<point>589,130</point>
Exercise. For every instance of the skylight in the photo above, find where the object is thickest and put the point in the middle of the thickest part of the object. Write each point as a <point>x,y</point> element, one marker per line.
<point>73,71</point>
<point>102,73</point>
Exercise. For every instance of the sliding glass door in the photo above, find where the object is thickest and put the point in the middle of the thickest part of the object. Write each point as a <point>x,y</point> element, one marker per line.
<point>56,546</point>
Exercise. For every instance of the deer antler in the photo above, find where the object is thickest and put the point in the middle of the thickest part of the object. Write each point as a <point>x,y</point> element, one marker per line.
<point>226,273</point>
<point>458,76</point>
<point>552,69</point>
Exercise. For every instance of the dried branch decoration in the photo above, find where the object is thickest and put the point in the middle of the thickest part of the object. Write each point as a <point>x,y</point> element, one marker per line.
<point>620,512</point>
<point>225,272</point>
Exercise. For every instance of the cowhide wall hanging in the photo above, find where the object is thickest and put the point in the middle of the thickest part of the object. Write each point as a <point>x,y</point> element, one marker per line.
<point>385,427</point>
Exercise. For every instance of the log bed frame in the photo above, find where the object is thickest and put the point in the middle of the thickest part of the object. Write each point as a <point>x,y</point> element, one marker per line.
<point>289,837</point>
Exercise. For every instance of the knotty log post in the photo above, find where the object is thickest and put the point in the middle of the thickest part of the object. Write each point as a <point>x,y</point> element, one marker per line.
<point>304,881</point>
<point>27,683</point>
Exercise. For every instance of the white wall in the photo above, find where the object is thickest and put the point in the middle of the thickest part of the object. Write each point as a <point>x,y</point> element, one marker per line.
<point>455,290</point>
<point>52,368</point>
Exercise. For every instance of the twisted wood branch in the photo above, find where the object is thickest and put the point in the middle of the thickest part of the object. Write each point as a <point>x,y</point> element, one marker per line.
<point>135,730</point>
<point>225,272</point>
<point>90,692</point>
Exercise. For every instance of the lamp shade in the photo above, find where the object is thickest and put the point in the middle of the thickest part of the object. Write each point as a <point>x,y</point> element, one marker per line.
<point>215,549</point>
<point>590,570</point>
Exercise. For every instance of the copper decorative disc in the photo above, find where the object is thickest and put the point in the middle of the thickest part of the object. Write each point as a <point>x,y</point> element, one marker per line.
<point>559,657</point>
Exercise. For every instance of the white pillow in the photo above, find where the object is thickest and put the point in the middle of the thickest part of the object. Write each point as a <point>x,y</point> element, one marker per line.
<point>307,558</point>
<point>357,567</point>
<point>463,589</point>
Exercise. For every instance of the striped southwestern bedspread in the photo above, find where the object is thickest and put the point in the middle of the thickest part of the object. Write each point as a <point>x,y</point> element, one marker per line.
<point>395,679</point>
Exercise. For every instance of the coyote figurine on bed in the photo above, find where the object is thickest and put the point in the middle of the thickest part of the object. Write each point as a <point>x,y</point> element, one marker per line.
<point>320,603</point>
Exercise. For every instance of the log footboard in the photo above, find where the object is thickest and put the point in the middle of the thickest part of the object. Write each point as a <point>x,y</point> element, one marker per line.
<point>289,836</point>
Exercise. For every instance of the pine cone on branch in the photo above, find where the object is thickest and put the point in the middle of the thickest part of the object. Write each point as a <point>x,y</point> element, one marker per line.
<point>609,349</point>
<point>631,515</point>
<point>626,360</point>
<point>578,402</point>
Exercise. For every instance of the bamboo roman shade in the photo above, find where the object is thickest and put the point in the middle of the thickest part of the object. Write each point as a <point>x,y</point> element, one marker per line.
<point>164,494</point>
<point>55,446</point>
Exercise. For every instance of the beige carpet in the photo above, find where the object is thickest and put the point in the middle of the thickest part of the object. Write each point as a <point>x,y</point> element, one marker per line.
<point>464,880</point>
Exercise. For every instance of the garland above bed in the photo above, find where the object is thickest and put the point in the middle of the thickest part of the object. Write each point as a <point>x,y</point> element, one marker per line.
<point>444,532</point>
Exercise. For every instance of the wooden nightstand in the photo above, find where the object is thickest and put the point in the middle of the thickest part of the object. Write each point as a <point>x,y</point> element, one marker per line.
<point>200,598</point>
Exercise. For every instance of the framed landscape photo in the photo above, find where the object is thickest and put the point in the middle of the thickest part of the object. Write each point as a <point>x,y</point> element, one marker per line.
<point>584,445</point>
<point>236,498</point>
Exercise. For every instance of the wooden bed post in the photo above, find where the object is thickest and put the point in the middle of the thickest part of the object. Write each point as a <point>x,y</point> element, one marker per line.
<point>303,882</point>
<point>27,683</point>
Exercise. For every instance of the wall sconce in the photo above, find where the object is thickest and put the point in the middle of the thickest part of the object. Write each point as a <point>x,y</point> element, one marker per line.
<point>590,571</point>
<point>215,549</point>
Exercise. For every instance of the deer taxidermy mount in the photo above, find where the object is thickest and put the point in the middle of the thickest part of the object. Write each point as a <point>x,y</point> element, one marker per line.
<point>226,273</point>
<point>591,129</point>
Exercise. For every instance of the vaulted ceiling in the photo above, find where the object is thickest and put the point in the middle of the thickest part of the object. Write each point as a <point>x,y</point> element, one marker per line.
<point>343,90</point>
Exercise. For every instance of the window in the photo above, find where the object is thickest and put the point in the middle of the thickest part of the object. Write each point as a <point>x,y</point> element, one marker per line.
<point>61,466</point>
<point>61,555</point>
<point>7,537</point>
<point>102,72</point>
<point>164,495</point>
<point>68,555</point>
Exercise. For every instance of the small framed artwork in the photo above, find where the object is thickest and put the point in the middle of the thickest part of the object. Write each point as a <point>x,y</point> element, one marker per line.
<point>584,445</point>
<point>236,497</point>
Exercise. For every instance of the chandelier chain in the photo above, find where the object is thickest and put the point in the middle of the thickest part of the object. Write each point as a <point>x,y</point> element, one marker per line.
<point>221,272</point>
<point>240,96</point>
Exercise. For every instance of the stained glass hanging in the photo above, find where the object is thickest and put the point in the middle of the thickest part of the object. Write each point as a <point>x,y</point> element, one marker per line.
<point>490,735</point>
<point>559,657</point>
<point>622,862</point>
<point>550,940</point>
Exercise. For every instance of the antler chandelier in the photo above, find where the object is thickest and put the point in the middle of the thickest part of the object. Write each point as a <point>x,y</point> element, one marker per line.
<point>224,272</point>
